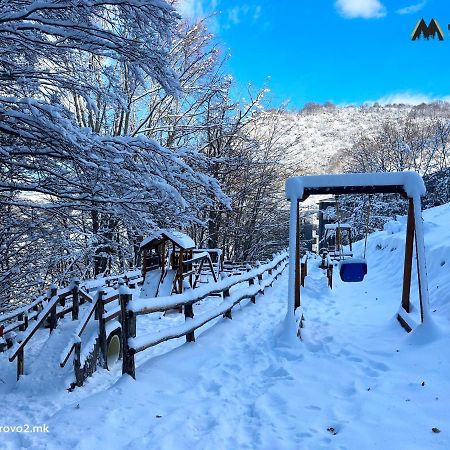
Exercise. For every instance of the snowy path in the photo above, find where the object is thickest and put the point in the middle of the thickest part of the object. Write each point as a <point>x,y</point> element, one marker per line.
<point>354,382</point>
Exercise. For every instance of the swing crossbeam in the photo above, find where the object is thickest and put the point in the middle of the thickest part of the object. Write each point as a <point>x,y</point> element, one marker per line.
<point>343,190</point>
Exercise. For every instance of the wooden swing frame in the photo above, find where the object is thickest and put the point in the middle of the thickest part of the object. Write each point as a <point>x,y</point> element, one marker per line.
<point>411,238</point>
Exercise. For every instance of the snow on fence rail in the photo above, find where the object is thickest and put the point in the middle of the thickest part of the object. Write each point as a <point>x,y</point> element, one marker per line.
<point>19,318</point>
<point>130,309</point>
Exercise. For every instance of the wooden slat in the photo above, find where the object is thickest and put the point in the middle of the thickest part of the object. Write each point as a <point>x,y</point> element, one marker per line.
<point>110,299</point>
<point>81,329</point>
<point>42,317</point>
<point>409,248</point>
<point>85,296</point>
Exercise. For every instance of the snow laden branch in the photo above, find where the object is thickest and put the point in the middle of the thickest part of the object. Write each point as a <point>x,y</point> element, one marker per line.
<point>77,185</point>
<point>138,32</point>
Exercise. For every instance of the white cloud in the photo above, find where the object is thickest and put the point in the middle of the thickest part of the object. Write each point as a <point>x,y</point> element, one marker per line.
<point>243,12</point>
<point>366,9</point>
<point>234,14</point>
<point>412,8</point>
<point>257,13</point>
<point>191,9</point>
<point>409,98</point>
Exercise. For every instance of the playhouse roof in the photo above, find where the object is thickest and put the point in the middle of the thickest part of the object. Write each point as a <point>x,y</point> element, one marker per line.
<point>177,237</point>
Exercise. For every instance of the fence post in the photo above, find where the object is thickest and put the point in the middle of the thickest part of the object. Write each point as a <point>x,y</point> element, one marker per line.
<point>36,306</point>
<point>189,314</point>
<point>77,364</point>
<point>75,299</point>
<point>21,318</point>
<point>25,321</point>
<point>251,282</point>
<point>276,265</point>
<point>226,294</point>
<point>100,310</point>
<point>52,318</point>
<point>260,282</point>
<point>20,363</point>
<point>302,273</point>
<point>127,319</point>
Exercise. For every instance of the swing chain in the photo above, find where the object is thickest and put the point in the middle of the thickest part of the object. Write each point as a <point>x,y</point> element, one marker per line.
<point>367,224</point>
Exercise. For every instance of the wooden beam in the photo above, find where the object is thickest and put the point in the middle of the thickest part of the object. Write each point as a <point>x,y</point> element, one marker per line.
<point>128,364</point>
<point>297,260</point>
<point>409,247</point>
<point>338,190</point>
<point>144,263</point>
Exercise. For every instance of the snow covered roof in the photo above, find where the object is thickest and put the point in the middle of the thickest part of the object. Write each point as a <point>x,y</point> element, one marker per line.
<point>333,226</point>
<point>182,240</point>
<point>410,183</point>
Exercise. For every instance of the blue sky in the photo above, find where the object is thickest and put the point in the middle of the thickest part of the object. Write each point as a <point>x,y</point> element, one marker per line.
<point>344,51</point>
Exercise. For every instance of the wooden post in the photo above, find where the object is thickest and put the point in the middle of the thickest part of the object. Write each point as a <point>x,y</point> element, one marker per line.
<point>128,365</point>
<point>338,238</point>
<point>190,269</point>
<point>20,363</point>
<point>100,309</point>
<point>297,260</point>
<point>323,264</point>
<point>144,262</point>
<point>227,315</point>
<point>180,271</point>
<point>189,314</point>
<point>53,320</point>
<point>221,262</point>
<point>75,299</point>
<point>77,364</point>
<point>260,281</point>
<point>330,275</point>
<point>21,318</point>
<point>251,282</point>
<point>303,273</point>
<point>409,246</point>
<point>163,256</point>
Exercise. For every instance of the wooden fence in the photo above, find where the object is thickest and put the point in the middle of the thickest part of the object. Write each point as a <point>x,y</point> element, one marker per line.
<point>117,312</point>
<point>130,309</point>
<point>46,311</point>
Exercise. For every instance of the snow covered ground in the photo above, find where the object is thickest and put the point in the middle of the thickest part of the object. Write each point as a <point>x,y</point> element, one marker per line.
<point>356,381</point>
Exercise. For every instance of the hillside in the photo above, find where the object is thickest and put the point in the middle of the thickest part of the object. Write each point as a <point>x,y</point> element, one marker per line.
<point>318,134</point>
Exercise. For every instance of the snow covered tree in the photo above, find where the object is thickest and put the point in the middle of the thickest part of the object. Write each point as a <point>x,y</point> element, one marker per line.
<point>64,68</point>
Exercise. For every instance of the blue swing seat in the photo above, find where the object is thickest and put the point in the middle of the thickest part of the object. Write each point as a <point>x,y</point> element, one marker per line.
<point>353,270</point>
